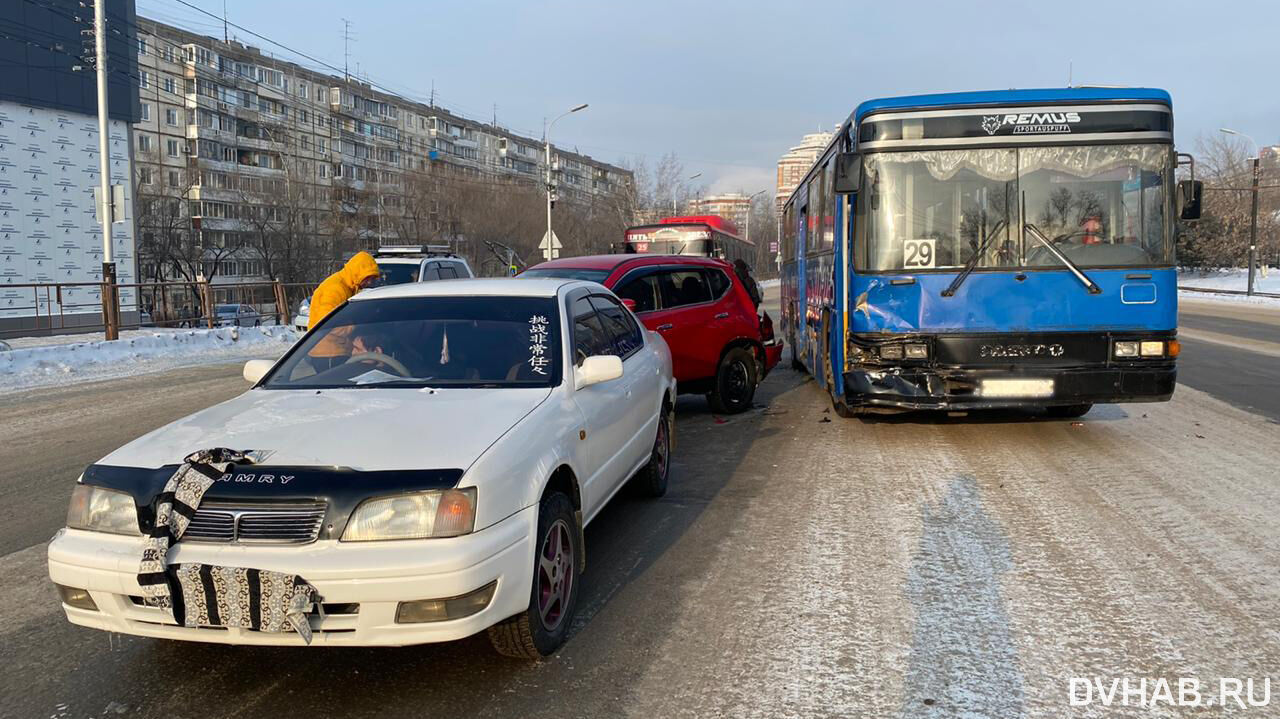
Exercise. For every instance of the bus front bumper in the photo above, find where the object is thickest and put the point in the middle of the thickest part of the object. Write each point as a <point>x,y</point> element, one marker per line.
<point>911,388</point>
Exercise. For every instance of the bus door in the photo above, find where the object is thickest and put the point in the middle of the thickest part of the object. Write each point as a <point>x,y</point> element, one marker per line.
<point>801,343</point>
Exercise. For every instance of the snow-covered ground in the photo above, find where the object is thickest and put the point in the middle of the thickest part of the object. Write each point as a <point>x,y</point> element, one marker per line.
<point>37,362</point>
<point>765,284</point>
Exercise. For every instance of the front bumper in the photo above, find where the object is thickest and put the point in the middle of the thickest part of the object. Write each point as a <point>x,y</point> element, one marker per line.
<point>909,388</point>
<point>376,576</point>
<point>772,355</point>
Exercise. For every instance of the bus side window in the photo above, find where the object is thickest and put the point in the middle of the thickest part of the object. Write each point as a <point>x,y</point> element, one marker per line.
<point>829,200</point>
<point>788,234</point>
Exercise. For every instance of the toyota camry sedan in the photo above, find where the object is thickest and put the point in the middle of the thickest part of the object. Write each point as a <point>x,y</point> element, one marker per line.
<point>423,461</point>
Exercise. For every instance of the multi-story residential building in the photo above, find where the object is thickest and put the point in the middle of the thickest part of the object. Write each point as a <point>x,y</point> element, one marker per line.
<point>796,162</point>
<point>281,170</point>
<point>49,166</point>
<point>733,206</point>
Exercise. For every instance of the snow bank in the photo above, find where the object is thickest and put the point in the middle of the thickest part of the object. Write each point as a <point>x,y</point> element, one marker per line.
<point>44,361</point>
<point>765,284</point>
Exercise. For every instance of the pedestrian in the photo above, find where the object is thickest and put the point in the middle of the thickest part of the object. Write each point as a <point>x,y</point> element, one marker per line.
<point>743,271</point>
<point>360,272</point>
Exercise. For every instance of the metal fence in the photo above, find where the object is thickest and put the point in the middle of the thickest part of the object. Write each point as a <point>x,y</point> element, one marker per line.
<point>1228,292</point>
<point>70,307</point>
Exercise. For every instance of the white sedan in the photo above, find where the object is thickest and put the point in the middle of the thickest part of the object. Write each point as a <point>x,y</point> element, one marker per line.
<point>426,460</point>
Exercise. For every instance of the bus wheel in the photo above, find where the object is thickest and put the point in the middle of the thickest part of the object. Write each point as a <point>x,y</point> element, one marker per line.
<point>735,382</point>
<point>1068,411</point>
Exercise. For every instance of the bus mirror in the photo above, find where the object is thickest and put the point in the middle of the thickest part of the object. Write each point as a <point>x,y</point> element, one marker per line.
<point>1190,193</point>
<point>848,177</point>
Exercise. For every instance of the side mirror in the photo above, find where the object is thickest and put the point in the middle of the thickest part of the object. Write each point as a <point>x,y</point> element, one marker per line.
<point>597,369</point>
<point>848,171</point>
<point>1190,193</point>
<point>255,370</point>
<point>629,304</point>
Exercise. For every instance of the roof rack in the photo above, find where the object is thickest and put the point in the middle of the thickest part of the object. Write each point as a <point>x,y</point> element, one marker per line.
<point>414,251</point>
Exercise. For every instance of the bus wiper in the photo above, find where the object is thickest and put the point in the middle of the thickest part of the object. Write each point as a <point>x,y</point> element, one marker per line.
<point>973,261</point>
<point>1093,288</point>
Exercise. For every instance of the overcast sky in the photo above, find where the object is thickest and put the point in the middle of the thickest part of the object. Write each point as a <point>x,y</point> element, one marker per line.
<point>729,86</point>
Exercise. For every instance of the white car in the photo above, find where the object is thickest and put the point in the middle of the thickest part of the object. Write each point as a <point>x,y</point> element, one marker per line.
<point>439,473</point>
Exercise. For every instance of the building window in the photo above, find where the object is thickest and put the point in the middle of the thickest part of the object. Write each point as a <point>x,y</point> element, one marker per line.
<point>142,46</point>
<point>144,175</point>
<point>170,86</point>
<point>171,148</point>
<point>144,143</point>
<point>146,112</point>
<point>144,79</point>
<point>171,117</point>
<point>173,178</point>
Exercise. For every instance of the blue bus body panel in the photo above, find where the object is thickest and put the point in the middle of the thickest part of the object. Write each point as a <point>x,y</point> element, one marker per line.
<point>1046,300</point>
<point>1013,97</point>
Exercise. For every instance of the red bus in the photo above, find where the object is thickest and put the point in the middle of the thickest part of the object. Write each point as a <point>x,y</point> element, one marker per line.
<point>700,235</point>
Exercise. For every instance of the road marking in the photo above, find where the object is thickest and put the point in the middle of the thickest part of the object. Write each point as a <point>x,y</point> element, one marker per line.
<point>25,590</point>
<point>1271,349</point>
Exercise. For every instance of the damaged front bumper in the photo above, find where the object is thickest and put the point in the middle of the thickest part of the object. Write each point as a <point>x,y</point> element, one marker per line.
<point>910,388</point>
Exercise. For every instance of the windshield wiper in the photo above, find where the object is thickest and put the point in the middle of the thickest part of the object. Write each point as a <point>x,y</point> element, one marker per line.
<point>1093,288</point>
<point>973,261</point>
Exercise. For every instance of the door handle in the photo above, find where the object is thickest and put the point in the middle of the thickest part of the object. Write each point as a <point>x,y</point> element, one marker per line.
<point>722,316</point>
<point>664,328</point>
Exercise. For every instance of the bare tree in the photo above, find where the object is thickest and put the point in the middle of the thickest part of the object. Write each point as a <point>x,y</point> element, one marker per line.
<point>1221,237</point>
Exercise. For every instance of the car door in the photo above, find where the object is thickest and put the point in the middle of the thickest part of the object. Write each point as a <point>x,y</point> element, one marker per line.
<point>604,407</point>
<point>639,372</point>
<point>684,318</point>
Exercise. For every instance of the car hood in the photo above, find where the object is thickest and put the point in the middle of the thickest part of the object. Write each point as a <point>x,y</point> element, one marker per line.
<point>363,429</point>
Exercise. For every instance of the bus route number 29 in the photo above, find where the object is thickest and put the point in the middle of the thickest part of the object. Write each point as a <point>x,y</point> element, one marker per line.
<point>918,253</point>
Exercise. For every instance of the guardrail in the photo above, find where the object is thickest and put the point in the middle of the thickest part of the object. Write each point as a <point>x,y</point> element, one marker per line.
<point>72,307</point>
<point>1228,292</point>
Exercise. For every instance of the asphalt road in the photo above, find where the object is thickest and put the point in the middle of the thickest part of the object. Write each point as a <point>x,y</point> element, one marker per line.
<point>1232,351</point>
<point>801,565</point>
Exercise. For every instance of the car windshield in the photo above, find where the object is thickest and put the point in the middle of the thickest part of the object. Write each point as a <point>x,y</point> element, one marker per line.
<point>569,273</point>
<point>1102,205</point>
<point>228,309</point>
<point>429,342</point>
<point>398,273</point>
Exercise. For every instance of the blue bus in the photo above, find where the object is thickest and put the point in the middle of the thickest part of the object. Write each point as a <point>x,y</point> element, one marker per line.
<point>989,250</point>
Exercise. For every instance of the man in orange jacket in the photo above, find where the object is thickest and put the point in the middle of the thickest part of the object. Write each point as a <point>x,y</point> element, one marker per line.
<point>359,273</point>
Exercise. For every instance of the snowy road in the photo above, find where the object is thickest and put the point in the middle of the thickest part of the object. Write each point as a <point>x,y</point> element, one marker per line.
<point>917,567</point>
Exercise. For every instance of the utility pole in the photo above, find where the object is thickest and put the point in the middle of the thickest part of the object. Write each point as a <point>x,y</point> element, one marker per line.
<point>1253,222</point>
<point>346,49</point>
<point>110,307</point>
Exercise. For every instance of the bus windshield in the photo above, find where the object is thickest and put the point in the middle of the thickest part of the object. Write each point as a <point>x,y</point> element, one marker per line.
<point>1101,205</point>
<point>669,241</point>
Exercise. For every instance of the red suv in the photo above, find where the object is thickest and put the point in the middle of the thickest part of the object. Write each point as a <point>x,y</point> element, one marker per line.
<point>719,346</point>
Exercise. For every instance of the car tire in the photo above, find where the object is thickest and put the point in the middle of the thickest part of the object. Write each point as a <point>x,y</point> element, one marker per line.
<point>735,382</point>
<point>527,634</point>
<point>1068,411</point>
<point>652,479</point>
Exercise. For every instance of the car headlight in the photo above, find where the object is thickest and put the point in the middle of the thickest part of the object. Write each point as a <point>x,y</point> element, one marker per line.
<point>102,510</point>
<point>438,513</point>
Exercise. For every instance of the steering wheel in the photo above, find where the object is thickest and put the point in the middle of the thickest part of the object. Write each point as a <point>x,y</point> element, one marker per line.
<point>381,359</point>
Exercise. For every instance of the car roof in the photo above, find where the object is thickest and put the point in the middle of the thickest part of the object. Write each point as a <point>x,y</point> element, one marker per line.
<point>611,262</point>
<point>473,287</point>
<point>416,260</point>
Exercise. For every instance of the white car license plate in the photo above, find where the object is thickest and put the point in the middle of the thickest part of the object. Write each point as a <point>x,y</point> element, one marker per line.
<point>1016,388</point>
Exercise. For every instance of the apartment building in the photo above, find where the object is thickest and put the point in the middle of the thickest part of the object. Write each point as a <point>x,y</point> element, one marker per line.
<point>733,206</point>
<point>793,166</point>
<point>250,146</point>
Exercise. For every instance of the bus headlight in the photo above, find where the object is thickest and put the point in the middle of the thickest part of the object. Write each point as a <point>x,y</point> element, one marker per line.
<point>891,352</point>
<point>1152,349</point>
<point>917,351</point>
<point>1126,349</point>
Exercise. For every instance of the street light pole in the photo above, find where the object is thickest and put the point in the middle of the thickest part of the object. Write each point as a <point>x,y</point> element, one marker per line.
<point>1253,220</point>
<point>549,248</point>
<point>749,199</point>
<point>674,211</point>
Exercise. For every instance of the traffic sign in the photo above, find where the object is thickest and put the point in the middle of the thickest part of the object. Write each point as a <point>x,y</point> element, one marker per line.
<point>550,250</point>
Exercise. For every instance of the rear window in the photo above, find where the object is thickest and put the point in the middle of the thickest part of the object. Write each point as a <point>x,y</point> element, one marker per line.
<point>569,273</point>
<point>398,273</point>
